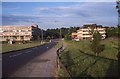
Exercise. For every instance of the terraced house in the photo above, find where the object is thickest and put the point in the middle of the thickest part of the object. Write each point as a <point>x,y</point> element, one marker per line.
<point>19,33</point>
<point>84,33</point>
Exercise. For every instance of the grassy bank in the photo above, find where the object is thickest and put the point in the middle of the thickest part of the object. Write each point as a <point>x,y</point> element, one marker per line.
<point>59,44</point>
<point>82,62</point>
<point>11,47</point>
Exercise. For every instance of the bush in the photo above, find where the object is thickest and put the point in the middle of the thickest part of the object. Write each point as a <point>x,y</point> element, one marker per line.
<point>67,37</point>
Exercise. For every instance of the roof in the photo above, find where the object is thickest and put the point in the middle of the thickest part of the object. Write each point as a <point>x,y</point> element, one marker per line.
<point>92,25</point>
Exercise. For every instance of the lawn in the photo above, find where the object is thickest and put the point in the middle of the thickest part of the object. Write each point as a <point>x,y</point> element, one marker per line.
<point>82,62</point>
<point>10,47</point>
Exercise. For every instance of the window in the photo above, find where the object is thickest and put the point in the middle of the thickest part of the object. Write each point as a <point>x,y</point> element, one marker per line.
<point>86,34</point>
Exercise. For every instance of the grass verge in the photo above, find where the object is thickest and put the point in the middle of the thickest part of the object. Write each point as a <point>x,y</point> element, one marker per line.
<point>82,62</point>
<point>59,44</point>
<point>11,47</point>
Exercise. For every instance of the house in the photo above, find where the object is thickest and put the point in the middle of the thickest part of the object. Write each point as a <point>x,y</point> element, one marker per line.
<point>19,33</point>
<point>85,33</point>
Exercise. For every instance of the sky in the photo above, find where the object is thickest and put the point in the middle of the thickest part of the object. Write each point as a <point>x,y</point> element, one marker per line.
<point>58,0</point>
<point>59,14</point>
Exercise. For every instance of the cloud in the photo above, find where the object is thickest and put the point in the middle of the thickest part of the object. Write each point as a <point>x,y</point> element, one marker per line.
<point>72,15</point>
<point>78,10</point>
<point>13,19</point>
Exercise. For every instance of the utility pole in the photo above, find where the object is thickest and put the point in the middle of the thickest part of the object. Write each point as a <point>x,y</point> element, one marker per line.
<point>61,37</point>
<point>60,34</point>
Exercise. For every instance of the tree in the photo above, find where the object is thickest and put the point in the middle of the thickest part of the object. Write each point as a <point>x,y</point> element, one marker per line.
<point>119,40</point>
<point>112,32</point>
<point>95,46</point>
<point>48,38</point>
<point>67,37</point>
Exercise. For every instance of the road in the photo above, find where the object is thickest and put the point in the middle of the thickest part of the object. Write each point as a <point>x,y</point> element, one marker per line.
<point>19,63</point>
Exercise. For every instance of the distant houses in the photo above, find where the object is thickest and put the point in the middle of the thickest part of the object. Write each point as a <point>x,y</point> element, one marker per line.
<point>84,33</point>
<point>19,33</point>
<point>33,32</point>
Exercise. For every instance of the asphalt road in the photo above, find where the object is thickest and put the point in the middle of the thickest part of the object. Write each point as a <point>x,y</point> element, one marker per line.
<point>11,62</point>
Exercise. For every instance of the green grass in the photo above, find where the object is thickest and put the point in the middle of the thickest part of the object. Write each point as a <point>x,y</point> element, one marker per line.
<point>111,50</point>
<point>59,44</point>
<point>82,62</point>
<point>11,47</point>
<point>61,73</point>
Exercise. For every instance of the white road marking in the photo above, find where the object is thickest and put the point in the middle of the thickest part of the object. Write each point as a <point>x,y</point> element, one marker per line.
<point>19,54</point>
<point>15,55</point>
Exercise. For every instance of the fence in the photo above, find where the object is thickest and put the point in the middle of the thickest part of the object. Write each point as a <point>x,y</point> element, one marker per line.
<point>60,65</point>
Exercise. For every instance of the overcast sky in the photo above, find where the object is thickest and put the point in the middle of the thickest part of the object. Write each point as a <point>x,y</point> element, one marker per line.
<point>58,14</point>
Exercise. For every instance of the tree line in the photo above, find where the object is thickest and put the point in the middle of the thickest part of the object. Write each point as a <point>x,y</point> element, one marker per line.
<point>66,32</point>
<point>59,32</point>
<point>113,31</point>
